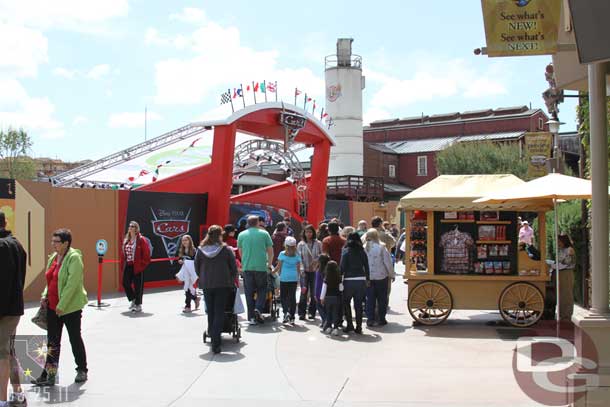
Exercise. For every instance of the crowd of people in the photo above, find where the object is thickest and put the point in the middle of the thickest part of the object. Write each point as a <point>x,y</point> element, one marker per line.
<point>324,271</point>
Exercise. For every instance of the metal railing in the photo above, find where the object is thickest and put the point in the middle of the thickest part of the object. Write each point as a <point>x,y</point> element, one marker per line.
<point>355,188</point>
<point>332,61</point>
<point>79,173</point>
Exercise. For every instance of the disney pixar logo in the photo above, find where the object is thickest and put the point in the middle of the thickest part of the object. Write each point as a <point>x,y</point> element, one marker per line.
<point>550,368</point>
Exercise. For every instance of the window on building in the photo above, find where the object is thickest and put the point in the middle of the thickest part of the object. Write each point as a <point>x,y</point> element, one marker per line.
<point>540,123</point>
<point>422,165</point>
<point>392,171</point>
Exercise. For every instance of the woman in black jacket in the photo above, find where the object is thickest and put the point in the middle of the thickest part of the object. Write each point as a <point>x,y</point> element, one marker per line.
<point>215,265</point>
<point>355,273</point>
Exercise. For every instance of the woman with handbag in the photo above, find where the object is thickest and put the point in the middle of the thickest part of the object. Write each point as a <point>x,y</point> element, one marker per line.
<point>64,298</point>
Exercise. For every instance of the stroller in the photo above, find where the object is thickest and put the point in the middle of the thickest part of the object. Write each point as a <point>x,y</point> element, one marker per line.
<point>272,302</point>
<point>230,324</point>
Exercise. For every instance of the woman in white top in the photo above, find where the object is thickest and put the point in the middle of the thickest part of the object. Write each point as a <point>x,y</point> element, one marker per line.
<point>381,271</point>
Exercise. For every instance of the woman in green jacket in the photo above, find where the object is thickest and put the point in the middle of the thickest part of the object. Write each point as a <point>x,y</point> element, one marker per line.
<point>64,297</point>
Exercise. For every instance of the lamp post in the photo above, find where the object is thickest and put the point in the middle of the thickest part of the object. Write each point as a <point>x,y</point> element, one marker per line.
<point>554,129</point>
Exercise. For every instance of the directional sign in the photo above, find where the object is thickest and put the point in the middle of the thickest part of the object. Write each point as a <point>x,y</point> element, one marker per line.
<point>101,247</point>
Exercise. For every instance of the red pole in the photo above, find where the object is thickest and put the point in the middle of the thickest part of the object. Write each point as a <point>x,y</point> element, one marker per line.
<point>100,264</point>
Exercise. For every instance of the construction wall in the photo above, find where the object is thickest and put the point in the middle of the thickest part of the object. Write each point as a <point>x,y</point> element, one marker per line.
<point>367,210</point>
<point>90,214</point>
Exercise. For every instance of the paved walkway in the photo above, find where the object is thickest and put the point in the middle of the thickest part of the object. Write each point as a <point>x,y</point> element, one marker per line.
<point>157,358</point>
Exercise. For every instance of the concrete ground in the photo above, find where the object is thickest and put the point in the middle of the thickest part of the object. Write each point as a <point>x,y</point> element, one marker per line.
<point>157,358</point>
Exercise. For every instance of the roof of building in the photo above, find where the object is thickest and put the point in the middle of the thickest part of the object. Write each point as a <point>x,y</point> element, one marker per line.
<point>454,117</point>
<point>396,188</point>
<point>439,143</point>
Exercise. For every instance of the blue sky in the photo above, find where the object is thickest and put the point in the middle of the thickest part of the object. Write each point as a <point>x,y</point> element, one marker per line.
<point>78,74</point>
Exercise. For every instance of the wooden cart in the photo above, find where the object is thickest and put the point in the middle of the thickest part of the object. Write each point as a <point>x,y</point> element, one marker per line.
<point>499,274</point>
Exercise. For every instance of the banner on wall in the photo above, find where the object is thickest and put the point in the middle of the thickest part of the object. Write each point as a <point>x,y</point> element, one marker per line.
<point>521,27</point>
<point>537,152</point>
<point>165,218</point>
<point>338,209</point>
<point>7,201</point>
<point>239,212</point>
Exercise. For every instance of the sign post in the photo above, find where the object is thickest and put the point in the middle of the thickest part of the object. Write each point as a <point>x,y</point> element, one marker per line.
<point>101,247</point>
<point>521,27</point>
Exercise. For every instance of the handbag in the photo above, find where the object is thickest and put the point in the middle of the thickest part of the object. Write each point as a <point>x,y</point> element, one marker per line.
<point>40,318</point>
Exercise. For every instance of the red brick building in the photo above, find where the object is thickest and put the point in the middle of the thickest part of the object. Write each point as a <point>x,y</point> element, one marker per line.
<point>403,151</point>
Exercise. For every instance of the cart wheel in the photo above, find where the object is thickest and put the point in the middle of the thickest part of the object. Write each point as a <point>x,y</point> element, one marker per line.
<point>521,304</point>
<point>430,303</point>
<point>205,336</point>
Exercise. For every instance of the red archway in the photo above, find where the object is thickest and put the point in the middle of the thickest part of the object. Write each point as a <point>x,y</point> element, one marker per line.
<point>216,178</point>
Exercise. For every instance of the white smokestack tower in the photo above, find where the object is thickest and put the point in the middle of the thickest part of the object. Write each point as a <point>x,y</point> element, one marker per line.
<point>344,85</point>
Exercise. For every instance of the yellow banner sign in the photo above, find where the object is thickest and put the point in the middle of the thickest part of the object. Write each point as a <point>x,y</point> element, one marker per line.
<point>521,27</point>
<point>537,152</point>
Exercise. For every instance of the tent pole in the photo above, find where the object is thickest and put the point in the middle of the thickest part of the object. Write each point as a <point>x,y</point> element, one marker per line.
<point>557,318</point>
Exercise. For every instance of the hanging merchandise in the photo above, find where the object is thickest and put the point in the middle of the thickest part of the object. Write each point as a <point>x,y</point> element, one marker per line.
<point>457,249</point>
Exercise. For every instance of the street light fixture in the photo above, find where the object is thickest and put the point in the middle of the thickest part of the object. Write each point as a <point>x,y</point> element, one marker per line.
<point>554,126</point>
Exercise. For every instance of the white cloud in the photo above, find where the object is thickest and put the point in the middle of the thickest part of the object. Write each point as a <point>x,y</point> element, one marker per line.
<point>65,73</point>
<point>19,109</point>
<point>23,50</point>
<point>78,120</point>
<point>64,14</point>
<point>131,120</point>
<point>98,71</point>
<point>190,15</point>
<point>218,65</point>
<point>433,79</point>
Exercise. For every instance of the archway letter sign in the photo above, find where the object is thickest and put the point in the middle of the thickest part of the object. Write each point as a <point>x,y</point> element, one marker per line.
<point>292,123</point>
<point>521,27</point>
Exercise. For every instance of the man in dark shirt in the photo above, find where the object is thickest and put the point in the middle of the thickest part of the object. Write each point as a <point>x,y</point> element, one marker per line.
<point>12,280</point>
<point>333,244</point>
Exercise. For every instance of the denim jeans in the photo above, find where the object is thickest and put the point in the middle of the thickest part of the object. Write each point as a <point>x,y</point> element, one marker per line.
<point>377,296</point>
<point>288,293</point>
<point>308,281</point>
<point>255,282</point>
<point>356,290</point>
<point>332,308</point>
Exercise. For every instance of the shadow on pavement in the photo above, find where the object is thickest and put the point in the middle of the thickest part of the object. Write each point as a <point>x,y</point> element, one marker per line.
<point>294,328</point>
<point>137,314</point>
<point>231,352</point>
<point>390,328</point>
<point>266,328</point>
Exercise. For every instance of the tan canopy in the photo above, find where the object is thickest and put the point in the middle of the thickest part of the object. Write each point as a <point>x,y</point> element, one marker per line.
<point>457,192</point>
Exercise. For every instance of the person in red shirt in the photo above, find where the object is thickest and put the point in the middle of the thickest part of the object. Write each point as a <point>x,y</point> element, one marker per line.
<point>333,244</point>
<point>135,259</point>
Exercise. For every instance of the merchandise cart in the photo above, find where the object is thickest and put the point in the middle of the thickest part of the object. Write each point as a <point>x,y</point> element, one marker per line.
<point>465,255</point>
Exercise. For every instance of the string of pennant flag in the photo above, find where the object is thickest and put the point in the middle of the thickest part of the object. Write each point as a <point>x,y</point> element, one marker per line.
<point>271,87</point>
<point>155,172</point>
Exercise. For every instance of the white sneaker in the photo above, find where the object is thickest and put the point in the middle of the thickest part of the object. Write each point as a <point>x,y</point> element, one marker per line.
<point>328,330</point>
<point>132,305</point>
<point>335,332</point>
<point>137,308</point>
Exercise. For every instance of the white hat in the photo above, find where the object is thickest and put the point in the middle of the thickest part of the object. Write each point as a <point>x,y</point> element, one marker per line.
<point>525,222</point>
<point>290,241</point>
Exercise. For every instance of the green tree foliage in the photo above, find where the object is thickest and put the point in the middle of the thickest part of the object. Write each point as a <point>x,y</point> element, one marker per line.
<point>481,158</point>
<point>14,147</point>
